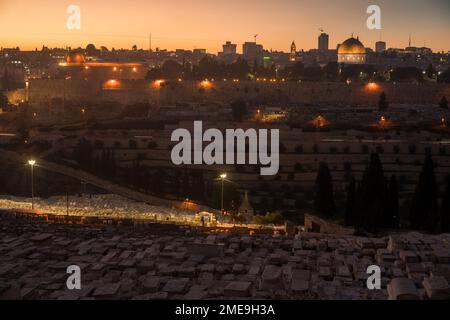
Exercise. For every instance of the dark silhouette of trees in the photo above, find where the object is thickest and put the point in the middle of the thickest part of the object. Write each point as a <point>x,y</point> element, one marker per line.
<point>313,73</point>
<point>405,74</point>
<point>239,109</point>
<point>444,76</point>
<point>106,164</point>
<point>198,185</point>
<point>83,154</point>
<point>382,102</point>
<point>237,70</point>
<point>430,72</point>
<point>443,103</point>
<point>331,71</point>
<point>424,210</point>
<point>3,100</point>
<point>350,203</point>
<point>171,70</point>
<point>445,207</point>
<point>208,68</point>
<point>154,74</point>
<point>371,197</point>
<point>324,201</point>
<point>391,217</point>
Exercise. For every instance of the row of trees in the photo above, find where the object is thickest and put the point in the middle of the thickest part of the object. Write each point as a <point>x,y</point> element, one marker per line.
<point>373,202</point>
<point>178,182</point>
<point>209,67</point>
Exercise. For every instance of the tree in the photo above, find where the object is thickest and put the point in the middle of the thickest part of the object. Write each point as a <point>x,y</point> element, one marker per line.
<point>238,70</point>
<point>406,74</point>
<point>154,74</point>
<point>171,70</point>
<point>445,207</point>
<point>382,102</point>
<point>331,70</point>
<point>425,206</point>
<point>239,109</point>
<point>350,205</point>
<point>391,218</point>
<point>371,197</point>
<point>444,103</point>
<point>3,100</point>
<point>444,76</point>
<point>430,72</point>
<point>83,154</point>
<point>324,201</point>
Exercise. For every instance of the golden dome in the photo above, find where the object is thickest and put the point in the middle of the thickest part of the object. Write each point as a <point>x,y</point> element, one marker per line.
<point>352,46</point>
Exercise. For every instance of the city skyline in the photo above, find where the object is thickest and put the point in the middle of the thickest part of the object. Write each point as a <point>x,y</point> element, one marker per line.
<point>208,25</point>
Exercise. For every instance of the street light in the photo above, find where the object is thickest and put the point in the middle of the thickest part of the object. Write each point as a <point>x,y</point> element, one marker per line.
<point>32,163</point>
<point>223,177</point>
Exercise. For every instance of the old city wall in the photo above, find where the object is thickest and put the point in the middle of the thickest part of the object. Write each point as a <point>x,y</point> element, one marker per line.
<point>43,91</point>
<point>308,92</point>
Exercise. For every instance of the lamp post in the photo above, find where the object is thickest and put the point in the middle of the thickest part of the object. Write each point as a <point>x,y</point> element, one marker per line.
<point>32,163</point>
<point>223,177</point>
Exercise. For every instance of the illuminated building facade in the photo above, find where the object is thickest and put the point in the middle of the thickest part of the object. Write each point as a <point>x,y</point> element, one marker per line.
<point>76,67</point>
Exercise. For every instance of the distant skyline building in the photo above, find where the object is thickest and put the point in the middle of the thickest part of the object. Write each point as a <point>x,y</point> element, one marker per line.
<point>324,40</point>
<point>229,48</point>
<point>252,52</point>
<point>380,46</point>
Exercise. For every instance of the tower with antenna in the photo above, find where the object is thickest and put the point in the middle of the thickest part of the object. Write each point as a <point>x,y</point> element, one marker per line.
<point>324,40</point>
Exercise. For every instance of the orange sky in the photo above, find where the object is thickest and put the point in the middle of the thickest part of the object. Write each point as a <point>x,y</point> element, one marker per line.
<point>208,24</point>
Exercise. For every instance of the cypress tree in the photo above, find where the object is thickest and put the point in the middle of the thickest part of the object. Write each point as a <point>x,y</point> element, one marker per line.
<point>382,102</point>
<point>445,207</point>
<point>425,205</point>
<point>443,103</point>
<point>350,204</point>
<point>391,219</point>
<point>371,203</point>
<point>324,202</point>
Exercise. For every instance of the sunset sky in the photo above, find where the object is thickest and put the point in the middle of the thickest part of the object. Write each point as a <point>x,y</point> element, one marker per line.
<point>208,24</point>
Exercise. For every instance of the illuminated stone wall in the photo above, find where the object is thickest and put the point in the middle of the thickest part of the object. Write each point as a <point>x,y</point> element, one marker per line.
<point>132,91</point>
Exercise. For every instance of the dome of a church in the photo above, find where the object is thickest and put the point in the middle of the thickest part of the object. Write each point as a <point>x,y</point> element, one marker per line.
<point>352,46</point>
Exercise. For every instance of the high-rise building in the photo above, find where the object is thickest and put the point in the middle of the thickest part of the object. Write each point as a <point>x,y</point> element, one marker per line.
<point>229,48</point>
<point>293,54</point>
<point>324,41</point>
<point>380,46</point>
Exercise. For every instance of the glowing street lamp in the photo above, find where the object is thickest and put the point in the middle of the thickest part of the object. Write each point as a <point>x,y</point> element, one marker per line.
<point>32,163</point>
<point>206,84</point>
<point>223,177</point>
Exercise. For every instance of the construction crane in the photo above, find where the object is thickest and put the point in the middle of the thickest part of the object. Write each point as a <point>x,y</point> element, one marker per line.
<point>256,36</point>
